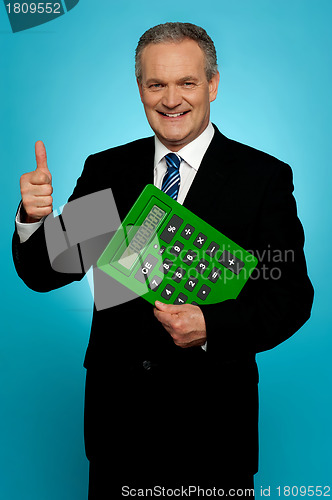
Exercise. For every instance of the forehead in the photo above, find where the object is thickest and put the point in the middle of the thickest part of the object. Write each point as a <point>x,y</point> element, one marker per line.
<point>173,60</point>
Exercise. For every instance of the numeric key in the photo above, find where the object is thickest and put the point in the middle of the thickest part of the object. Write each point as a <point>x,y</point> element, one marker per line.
<point>168,292</point>
<point>176,249</point>
<point>166,266</point>
<point>191,283</point>
<point>179,274</point>
<point>190,257</point>
<point>181,299</point>
<point>201,266</point>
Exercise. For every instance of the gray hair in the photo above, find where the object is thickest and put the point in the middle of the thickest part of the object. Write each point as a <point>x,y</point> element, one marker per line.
<point>176,32</point>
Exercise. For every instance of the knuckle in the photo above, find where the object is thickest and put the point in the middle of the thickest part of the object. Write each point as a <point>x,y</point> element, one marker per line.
<point>25,177</point>
<point>30,210</point>
<point>47,210</point>
<point>177,325</point>
<point>24,190</point>
<point>26,202</point>
<point>48,200</point>
<point>40,177</point>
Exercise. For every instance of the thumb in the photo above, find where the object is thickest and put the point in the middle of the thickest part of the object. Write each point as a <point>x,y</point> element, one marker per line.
<point>168,308</point>
<point>41,158</point>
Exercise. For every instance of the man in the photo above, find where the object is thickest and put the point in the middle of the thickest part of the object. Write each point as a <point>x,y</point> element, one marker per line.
<point>171,392</point>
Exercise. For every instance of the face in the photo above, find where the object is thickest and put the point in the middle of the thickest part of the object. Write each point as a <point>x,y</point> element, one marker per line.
<point>175,91</point>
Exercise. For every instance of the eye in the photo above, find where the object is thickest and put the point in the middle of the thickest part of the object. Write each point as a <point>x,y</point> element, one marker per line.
<point>188,85</point>
<point>155,86</point>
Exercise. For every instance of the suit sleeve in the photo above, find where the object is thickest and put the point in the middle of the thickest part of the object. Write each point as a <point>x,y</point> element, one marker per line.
<point>31,258</point>
<point>277,299</point>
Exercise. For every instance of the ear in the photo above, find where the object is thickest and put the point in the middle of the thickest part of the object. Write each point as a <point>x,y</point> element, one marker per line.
<point>213,86</point>
<point>140,88</point>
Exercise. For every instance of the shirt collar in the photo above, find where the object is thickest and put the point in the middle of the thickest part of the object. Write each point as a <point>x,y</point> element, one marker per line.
<point>192,153</point>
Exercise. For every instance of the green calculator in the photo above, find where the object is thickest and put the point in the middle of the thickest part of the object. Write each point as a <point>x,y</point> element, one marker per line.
<point>162,251</point>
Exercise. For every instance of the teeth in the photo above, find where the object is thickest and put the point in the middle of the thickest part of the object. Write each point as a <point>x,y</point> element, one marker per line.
<point>174,115</point>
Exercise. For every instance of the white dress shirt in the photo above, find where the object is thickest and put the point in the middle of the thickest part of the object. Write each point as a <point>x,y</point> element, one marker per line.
<point>191,155</point>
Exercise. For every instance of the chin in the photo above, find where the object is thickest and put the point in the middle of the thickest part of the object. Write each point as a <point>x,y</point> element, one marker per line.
<point>174,137</point>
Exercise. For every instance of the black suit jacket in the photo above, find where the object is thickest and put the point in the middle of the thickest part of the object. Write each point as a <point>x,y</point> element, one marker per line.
<point>247,195</point>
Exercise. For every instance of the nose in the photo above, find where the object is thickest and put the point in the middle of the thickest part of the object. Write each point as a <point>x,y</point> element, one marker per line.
<point>171,97</point>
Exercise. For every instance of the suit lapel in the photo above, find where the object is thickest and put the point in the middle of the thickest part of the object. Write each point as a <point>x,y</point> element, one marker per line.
<point>140,158</point>
<point>143,166</point>
<point>210,182</point>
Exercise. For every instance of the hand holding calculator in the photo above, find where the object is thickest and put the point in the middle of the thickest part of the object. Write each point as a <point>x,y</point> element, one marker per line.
<point>162,251</point>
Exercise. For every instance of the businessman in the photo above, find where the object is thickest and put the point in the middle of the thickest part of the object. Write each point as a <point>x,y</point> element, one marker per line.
<point>171,391</point>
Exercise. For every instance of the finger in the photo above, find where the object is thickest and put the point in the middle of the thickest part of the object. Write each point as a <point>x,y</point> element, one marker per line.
<point>168,308</point>
<point>33,202</point>
<point>41,157</point>
<point>37,212</point>
<point>43,201</point>
<point>40,177</point>
<point>163,317</point>
<point>194,343</point>
<point>40,190</point>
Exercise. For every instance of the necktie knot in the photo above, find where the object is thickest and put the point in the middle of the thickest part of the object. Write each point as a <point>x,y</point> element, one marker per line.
<point>173,161</point>
<point>171,181</point>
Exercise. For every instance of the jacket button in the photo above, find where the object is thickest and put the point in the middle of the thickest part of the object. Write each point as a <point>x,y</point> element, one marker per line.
<point>147,365</point>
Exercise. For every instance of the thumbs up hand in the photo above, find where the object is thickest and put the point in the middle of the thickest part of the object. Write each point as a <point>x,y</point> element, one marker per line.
<point>36,188</point>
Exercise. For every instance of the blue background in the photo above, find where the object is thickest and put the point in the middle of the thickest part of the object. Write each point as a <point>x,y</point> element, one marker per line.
<point>71,83</point>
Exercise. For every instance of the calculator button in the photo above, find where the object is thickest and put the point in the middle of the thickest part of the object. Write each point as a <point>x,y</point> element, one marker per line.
<point>194,303</point>
<point>166,266</point>
<point>168,292</point>
<point>171,228</point>
<point>145,269</point>
<point>181,299</point>
<point>176,249</point>
<point>179,274</point>
<point>191,283</point>
<point>232,263</point>
<point>155,282</point>
<point>189,257</point>
<point>200,240</point>
<point>204,292</point>
<point>187,232</point>
<point>212,249</point>
<point>202,265</point>
<point>214,274</point>
<point>161,249</point>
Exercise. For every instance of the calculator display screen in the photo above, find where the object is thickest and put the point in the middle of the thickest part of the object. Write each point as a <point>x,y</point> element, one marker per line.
<point>142,237</point>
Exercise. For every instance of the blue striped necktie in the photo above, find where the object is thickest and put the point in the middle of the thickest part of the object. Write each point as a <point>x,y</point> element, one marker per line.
<point>171,181</point>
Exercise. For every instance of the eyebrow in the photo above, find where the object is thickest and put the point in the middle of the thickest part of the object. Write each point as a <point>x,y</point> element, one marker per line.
<point>190,78</point>
<point>181,80</point>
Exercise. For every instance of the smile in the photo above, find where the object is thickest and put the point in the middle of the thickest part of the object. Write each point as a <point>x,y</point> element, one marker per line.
<point>173,115</point>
